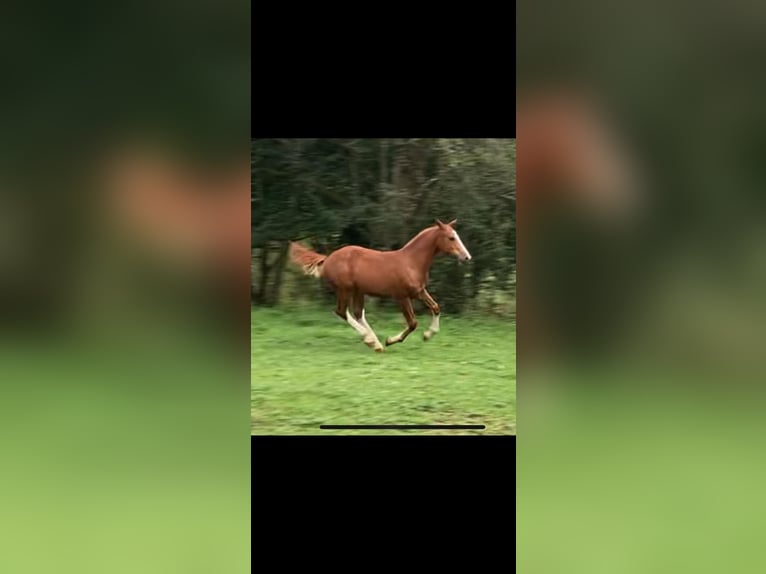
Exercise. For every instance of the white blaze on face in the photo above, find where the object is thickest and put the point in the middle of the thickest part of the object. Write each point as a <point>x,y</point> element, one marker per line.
<point>463,251</point>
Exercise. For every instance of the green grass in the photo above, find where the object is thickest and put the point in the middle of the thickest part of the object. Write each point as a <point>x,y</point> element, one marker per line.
<point>309,368</point>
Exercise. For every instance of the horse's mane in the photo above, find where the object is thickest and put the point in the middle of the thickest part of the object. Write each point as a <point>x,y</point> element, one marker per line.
<point>420,234</point>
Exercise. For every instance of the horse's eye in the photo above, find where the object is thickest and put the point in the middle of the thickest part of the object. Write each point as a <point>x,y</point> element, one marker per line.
<point>452,239</point>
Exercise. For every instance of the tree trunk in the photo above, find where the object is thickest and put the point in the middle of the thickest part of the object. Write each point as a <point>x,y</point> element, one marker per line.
<point>398,234</point>
<point>279,268</point>
<point>353,166</point>
<point>423,186</point>
<point>382,161</point>
<point>263,280</point>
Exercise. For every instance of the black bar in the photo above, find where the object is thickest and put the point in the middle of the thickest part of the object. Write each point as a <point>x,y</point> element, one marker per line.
<point>411,427</point>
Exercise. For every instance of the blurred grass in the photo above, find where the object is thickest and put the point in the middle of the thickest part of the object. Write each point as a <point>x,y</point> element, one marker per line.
<point>644,472</point>
<point>121,458</point>
<point>309,368</point>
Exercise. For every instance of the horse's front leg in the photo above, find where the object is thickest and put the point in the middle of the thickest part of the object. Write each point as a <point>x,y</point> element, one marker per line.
<point>409,316</point>
<point>433,306</point>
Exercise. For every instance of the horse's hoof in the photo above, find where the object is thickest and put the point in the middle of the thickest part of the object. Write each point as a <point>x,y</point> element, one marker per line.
<point>389,341</point>
<point>427,335</point>
<point>379,349</point>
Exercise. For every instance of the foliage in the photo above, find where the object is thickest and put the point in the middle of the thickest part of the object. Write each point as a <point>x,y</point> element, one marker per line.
<point>379,193</point>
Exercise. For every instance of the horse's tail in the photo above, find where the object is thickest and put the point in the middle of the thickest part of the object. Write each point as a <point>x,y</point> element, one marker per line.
<point>309,260</point>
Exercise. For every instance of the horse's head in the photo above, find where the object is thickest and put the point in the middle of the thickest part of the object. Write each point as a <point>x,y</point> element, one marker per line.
<point>448,241</point>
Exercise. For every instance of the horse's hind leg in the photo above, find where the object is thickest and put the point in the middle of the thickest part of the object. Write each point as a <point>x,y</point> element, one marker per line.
<point>412,323</point>
<point>433,306</point>
<point>357,305</point>
<point>341,305</point>
<point>341,310</point>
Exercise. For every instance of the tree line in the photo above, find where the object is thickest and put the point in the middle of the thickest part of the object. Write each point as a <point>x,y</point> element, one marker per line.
<point>379,193</point>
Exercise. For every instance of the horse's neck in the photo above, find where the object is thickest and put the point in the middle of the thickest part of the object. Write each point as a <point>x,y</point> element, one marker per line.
<point>421,249</point>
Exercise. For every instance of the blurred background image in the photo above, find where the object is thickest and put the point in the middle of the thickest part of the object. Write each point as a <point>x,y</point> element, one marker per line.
<point>310,368</point>
<point>127,352</point>
<point>641,291</point>
<point>124,185</point>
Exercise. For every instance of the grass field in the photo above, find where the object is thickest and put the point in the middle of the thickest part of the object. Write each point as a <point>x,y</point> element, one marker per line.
<point>310,368</point>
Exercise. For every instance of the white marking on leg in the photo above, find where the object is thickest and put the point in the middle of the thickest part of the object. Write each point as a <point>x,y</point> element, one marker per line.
<point>397,338</point>
<point>374,338</point>
<point>355,324</point>
<point>433,329</point>
<point>364,330</point>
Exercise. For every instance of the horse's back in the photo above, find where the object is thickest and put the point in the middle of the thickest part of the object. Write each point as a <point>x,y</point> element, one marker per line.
<point>348,258</point>
<point>356,267</point>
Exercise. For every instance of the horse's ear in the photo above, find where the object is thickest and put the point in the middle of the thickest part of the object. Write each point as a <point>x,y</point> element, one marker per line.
<point>453,222</point>
<point>440,224</point>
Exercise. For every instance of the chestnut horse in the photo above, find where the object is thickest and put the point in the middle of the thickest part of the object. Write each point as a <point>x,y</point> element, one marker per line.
<point>354,272</point>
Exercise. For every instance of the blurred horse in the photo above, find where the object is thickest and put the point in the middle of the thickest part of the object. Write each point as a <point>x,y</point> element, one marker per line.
<point>571,161</point>
<point>354,272</point>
